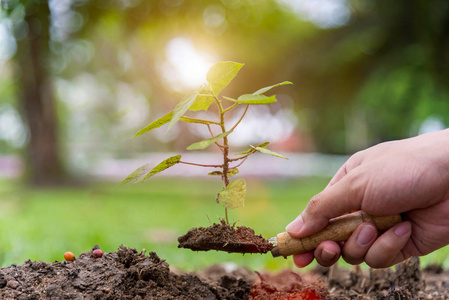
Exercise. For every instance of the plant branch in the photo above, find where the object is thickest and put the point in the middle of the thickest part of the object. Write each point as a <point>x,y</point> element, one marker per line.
<point>241,118</point>
<point>238,165</point>
<point>230,107</point>
<point>212,134</point>
<point>200,165</point>
<point>242,157</point>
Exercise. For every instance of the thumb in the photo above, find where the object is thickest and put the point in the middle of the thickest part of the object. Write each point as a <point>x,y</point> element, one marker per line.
<point>344,196</point>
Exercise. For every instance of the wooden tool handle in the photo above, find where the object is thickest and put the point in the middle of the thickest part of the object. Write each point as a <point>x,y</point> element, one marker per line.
<point>338,230</point>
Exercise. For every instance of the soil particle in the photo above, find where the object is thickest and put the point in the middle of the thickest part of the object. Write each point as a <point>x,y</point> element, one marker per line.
<point>224,237</point>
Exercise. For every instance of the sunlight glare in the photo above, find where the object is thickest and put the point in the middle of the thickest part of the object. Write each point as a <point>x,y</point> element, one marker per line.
<point>185,68</point>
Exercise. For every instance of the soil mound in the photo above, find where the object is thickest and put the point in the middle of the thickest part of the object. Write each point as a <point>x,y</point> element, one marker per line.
<point>125,274</point>
<point>224,237</point>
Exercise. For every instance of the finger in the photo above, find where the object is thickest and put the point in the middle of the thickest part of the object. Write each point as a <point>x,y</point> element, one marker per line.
<point>386,250</point>
<point>327,253</point>
<point>339,175</point>
<point>345,195</point>
<point>353,162</point>
<point>303,259</point>
<point>358,244</point>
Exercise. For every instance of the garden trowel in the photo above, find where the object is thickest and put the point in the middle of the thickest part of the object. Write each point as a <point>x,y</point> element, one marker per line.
<point>339,229</point>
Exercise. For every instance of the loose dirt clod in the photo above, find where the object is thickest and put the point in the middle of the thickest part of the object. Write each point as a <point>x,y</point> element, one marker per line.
<point>286,285</point>
<point>224,237</point>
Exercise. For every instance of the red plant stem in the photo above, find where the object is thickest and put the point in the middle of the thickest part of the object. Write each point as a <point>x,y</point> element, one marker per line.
<point>200,165</point>
<point>236,166</point>
<point>241,118</point>
<point>212,134</point>
<point>242,157</point>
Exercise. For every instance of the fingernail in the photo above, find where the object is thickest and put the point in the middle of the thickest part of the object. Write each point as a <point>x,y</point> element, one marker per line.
<point>328,255</point>
<point>366,235</point>
<point>402,229</point>
<point>296,225</point>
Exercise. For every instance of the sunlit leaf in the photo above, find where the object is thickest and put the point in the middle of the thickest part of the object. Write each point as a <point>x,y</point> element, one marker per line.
<point>253,99</point>
<point>266,151</point>
<point>192,120</point>
<point>137,174</point>
<point>221,74</point>
<point>256,99</point>
<point>263,145</point>
<point>233,195</point>
<point>182,107</point>
<point>202,102</point>
<point>265,89</point>
<point>206,143</point>
<point>155,124</point>
<point>169,162</point>
<point>122,112</point>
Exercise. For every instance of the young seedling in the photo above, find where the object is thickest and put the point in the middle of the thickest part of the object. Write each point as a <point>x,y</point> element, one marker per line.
<point>218,77</point>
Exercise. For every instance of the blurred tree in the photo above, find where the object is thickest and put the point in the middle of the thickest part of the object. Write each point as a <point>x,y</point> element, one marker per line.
<point>377,78</point>
<point>35,94</point>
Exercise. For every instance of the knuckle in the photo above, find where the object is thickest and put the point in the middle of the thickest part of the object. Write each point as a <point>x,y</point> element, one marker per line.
<point>314,205</point>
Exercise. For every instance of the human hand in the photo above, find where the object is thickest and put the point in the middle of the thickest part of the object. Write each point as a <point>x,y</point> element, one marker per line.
<point>408,176</point>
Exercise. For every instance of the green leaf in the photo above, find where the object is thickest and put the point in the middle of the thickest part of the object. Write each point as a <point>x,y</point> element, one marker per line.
<point>121,113</point>
<point>266,151</point>
<point>198,121</point>
<point>219,173</point>
<point>253,99</point>
<point>221,74</point>
<point>265,89</point>
<point>182,107</point>
<point>156,124</point>
<point>263,145</point>
<point>137,174</point>
<point>256,99</point>
<point>233,172</point>
<point>206,143</point>
<point>233,195</point>
<point>169,162</point>
<point>202,102</point>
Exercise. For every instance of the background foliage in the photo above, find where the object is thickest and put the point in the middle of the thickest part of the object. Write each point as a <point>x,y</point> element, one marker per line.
<point>364,71</point>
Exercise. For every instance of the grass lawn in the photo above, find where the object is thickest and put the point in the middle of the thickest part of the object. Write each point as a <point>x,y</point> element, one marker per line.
<point>41,224</point>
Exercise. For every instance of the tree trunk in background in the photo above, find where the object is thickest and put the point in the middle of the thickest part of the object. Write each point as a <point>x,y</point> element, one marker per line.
<point>43,165</point>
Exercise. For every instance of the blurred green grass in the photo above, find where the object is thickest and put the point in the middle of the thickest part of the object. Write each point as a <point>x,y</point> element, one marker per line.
<point>41,224</point>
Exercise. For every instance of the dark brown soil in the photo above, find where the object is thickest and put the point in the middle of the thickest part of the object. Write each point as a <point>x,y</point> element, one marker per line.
<point>125,274</point>
<point>128,274</point>
<point>406,281</point>
<point>224,237</point>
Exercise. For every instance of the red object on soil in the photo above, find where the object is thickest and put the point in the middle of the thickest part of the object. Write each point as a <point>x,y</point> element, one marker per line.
<point>69,256</point>
<point>97,253</point>
<point>286,285</point>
